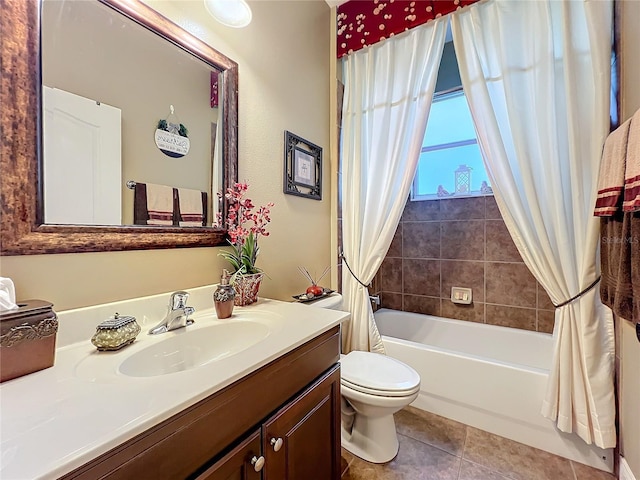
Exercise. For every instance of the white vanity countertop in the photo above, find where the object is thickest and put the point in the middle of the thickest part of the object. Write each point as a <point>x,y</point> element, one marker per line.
<point>58,419</point>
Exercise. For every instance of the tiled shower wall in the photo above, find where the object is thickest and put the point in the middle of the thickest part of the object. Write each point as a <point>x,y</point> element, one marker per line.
<point>461,242</point>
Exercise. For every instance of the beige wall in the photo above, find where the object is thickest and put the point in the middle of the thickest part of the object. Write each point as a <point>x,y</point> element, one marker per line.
<point>90,50</point>
<point>628,346</point>
<point>283,86</point>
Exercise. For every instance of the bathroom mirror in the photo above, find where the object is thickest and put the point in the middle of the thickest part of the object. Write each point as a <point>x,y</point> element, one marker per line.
<point>23,228</point>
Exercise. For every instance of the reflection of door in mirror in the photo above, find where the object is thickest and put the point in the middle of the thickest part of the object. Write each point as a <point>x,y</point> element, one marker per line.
<point>94,52</point>
<point>82,169</point>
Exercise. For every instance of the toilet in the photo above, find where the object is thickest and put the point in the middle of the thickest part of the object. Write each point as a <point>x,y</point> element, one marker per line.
<point>373,388</point>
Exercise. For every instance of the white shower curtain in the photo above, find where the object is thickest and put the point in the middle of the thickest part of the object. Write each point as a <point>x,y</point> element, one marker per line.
<point>536,75</point>
<point>388,92</point>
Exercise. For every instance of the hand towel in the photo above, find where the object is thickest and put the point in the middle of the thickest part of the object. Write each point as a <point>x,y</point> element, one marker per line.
<point>159,204</point>
<point>190,202</point>
<point>7,294</point>
<point>632,169</point>
<point>612,172</point>
<point>619,260</point>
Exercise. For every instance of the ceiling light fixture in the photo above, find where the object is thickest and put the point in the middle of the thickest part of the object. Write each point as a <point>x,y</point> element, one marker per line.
<point>232,13</point>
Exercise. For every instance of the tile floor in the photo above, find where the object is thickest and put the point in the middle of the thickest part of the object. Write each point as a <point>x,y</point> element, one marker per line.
<point>436,448</point>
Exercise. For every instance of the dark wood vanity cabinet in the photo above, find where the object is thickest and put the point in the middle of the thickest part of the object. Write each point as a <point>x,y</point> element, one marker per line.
<point>296,443</point>
<point>299,442</point>
<point>284,416</point>
<point>239,463</point>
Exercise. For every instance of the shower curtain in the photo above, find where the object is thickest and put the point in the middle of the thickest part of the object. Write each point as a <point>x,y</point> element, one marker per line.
<point>536,75</point>
<point>388,91</point>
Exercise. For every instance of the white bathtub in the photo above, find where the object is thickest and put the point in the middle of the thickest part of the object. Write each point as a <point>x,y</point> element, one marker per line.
<point>492,378</point>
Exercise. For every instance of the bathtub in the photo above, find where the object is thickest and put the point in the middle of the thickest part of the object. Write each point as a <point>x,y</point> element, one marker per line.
<point>490,377</point>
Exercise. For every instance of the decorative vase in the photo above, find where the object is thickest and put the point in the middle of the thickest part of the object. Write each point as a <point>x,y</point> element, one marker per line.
<point>223,297</point>
<point>247,287</point>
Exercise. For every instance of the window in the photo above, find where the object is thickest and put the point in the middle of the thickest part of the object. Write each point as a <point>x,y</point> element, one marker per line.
<point>450,163</point>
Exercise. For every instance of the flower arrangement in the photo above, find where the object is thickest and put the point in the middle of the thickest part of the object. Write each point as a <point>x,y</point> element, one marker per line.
<point>245,224</point>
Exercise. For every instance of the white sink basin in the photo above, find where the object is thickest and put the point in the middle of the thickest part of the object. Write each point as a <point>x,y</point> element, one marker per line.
<point>185,349</point>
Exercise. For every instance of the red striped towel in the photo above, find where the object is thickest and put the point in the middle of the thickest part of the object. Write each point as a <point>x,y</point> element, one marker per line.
<point>612,172</point>
<point>190,207</point>
<point>632,170</point>
<point>159,204</point>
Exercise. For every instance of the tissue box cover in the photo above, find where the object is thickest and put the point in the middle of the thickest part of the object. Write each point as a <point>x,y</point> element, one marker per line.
<point>27,338</point>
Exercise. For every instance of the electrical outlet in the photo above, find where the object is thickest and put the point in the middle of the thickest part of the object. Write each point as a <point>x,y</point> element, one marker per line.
<point>461,295</point>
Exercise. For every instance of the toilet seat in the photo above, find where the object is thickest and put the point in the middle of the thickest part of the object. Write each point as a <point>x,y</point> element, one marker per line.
<point>379,375</point>
<point>380,393</point>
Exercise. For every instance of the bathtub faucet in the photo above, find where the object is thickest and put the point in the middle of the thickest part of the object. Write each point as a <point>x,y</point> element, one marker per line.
<point>375,299</point>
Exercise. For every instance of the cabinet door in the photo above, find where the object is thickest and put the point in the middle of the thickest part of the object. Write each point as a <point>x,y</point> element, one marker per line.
<point>239,464</point>
<point>302,440</point>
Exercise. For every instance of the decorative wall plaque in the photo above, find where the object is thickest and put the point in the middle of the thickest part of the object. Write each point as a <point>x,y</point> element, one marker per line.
<point>172,136</point>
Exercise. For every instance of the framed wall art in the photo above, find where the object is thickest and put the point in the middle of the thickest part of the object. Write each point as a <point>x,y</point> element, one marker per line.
<point>302,167</point>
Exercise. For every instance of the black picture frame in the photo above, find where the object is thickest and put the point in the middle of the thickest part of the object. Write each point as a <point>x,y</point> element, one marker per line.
<point>302,167</point>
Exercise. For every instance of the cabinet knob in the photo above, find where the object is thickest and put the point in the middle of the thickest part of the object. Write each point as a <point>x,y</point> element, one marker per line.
<point>276,443</point>
<point>258,463</point>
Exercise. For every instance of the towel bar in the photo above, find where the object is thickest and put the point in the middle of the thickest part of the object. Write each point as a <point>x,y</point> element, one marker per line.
<point>131,184</point>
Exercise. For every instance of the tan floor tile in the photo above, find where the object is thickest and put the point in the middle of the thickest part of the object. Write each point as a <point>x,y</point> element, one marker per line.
<point>585,472</point>
<point>431,429</point>
<point>343,466</point>
<point>514,459</point>
<point>348,456</point>
<point>415,461</point>
<point>345,460</point>
<point>472,471</point>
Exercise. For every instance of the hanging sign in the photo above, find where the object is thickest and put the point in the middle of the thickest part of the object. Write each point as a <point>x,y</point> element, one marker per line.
<point>172,136</point>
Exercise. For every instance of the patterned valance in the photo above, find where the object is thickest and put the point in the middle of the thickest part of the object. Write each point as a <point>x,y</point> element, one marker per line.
<point>365,22</point>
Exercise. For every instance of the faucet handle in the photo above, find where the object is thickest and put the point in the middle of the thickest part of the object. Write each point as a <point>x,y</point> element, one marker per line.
<point>178,300</point>
<point>189,311</point>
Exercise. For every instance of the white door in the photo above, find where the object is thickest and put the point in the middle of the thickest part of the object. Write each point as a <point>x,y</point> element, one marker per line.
<point>82,165</point>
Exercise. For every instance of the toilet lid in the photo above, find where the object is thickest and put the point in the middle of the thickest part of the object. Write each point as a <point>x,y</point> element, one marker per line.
<point>378,374</point>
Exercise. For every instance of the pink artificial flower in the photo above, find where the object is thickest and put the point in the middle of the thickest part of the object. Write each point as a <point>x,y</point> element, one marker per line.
<point>240,212</point>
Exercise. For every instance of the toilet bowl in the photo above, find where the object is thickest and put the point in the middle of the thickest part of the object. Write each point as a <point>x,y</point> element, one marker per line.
<point>373,388</point>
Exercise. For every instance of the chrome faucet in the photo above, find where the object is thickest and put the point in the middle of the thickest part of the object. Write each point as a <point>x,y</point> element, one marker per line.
<point>177,314</point>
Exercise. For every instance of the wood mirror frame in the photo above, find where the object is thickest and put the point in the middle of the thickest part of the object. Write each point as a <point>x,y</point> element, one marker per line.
<point>22,231</point>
